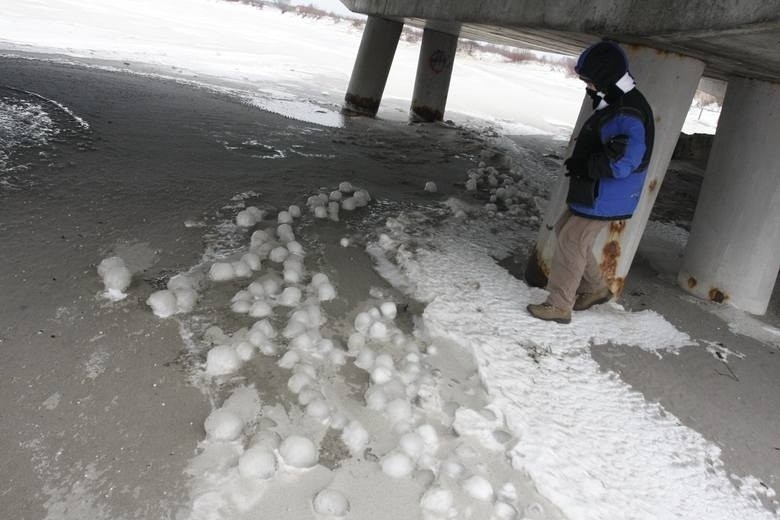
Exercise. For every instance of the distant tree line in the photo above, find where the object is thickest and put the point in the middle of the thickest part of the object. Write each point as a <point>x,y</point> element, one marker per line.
<point>414,35</point>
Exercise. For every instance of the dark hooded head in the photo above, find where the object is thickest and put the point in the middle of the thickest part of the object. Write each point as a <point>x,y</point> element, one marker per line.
<point>602,64</point>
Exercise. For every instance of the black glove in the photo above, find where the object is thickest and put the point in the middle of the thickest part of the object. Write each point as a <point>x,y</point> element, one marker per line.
<point>573,169</point>
<point>616,147</point>
<point>599,163</point>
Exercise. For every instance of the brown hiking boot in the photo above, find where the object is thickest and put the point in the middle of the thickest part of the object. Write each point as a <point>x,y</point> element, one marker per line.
<point>545,311</point>
<point>589,299</point>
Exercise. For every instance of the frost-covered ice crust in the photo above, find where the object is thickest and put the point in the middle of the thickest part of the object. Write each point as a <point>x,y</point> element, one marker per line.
<point>29,121</point>
<point>591,445</point>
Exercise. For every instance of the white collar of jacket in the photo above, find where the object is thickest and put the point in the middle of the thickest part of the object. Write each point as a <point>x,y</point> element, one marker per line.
<point>625,84</point>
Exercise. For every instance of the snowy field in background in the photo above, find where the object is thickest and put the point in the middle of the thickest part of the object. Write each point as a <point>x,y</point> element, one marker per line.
<point>557,427</point>
<point>250,48</point>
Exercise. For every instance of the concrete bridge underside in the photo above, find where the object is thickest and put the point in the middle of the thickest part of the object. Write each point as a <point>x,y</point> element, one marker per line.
<point>732,37</point>
<point>733,254</point>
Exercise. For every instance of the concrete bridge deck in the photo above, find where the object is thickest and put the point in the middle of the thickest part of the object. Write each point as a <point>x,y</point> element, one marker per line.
<point>733,37</point>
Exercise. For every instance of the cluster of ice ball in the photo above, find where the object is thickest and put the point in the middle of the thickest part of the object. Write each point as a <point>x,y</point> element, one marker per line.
<point>261,297</point>
<point>262,455</point>
<point>347,198</point>
<point>393,362</point>
<point>180,296</point>
<point>250,216</point>
<point>230,351</point>
<point>116,277</point>
<point>504,188</point>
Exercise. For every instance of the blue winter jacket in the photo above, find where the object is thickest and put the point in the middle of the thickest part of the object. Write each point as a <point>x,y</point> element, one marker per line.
<point>609,163</point>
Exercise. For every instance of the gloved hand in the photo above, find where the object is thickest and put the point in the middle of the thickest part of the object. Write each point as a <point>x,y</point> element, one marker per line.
<point>616,147</point>
<point>572,169</point>
<point>599,164</point>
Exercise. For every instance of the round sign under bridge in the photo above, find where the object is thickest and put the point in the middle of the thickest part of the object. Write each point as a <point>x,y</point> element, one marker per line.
<point>438,61</point>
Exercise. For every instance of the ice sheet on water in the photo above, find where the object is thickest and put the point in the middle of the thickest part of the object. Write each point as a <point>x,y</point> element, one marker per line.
<point>23,124</point>
<point>299,109</point>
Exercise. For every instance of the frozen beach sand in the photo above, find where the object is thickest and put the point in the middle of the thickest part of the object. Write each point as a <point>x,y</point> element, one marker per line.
<point>109,402</point>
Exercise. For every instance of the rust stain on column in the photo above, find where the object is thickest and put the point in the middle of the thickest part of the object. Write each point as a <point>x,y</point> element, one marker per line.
<point>692,282</point>
<point>609,260</point>
<point>652,186</point>
<point>616,227</point>
<point>610,255</point>
<point>717,295</point>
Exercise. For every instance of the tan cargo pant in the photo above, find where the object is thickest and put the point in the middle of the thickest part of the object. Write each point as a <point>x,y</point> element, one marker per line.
<point>574,268</point>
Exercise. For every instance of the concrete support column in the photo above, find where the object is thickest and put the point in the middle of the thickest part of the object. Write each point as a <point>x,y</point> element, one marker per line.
<point>733,252</point>
<point>668,81</point>
<point>372,65</point>
<point>434,70</point>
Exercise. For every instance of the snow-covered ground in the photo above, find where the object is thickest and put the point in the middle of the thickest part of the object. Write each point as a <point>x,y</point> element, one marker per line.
<point>470,409</point>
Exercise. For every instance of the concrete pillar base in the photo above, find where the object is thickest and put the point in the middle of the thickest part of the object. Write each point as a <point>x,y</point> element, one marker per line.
<point>733,252</point>
<point>372,66</point>
<point>434,70</point>
<point>668,81</point>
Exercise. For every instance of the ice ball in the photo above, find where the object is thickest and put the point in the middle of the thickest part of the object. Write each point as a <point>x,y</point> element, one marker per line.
<point>258,238</point>
<point>260,309</point>
<point>109,263</point>
<point>116,279</point>
<point>478,487</point>
<point>318,409</point>
<point>298,452</point>
<point>278,254</point>
<point>290,297</point>
<point>185,299</point>
<point>437,500</point>
<point>378,330</point>
<point>355,437</point>
<point>223,425</point>
<point>397,465</point>
<point>389,310</point>
<point>257,462</point>
<point>295,248</point>
<point>412,444</point>
<point>245,351</point>
<point>221,272</point>
<point>252,260</point>
<point>163,303</point>
<point>326,292</point>
<point>222,360</point>
<point>330,502</point>
<point>241,269</point>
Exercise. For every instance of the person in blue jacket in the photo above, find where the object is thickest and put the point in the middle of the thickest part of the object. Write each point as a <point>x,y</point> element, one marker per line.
<point>606,171</point>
